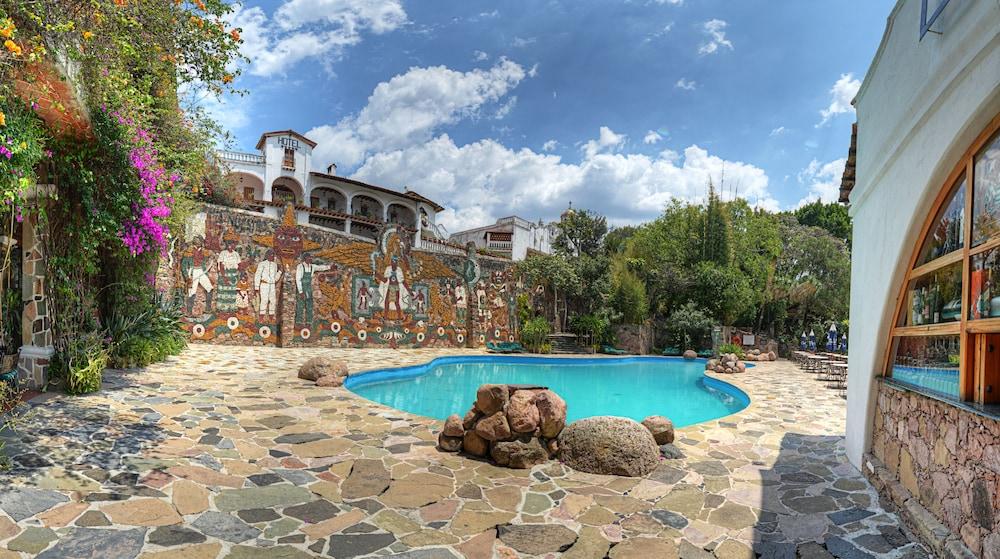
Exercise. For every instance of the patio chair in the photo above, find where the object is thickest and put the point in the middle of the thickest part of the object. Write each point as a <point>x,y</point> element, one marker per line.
<point>671,351</point>
<point>512,347</point>
<point>612,350</point>
<point>493,348</point>
<point>706,353</point>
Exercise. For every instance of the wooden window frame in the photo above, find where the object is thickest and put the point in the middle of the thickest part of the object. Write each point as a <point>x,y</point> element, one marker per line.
<point>966,329</point>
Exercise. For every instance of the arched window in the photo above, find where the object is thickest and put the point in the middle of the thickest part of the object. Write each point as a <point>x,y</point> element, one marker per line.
<point>946,338</point>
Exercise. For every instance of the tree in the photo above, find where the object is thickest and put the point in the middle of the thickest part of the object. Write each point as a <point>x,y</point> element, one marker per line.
<point>556,276</point>
<point>689,325</point>
<point>717,230</point>
<point>628,293</point>
<point>833,217</point>
<point>580,232</point>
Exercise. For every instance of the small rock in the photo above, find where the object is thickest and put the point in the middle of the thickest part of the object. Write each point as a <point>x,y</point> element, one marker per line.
<point>470,419</point>
<point>321,366</point>
<point>551,413</point>
<point>453,426</point>
<point>522,414</point>
<point>449,444</point>
<point>474,444</point>
<point>521,454</point>
<point>772,356</point>
<point>494,427</point>
<point>661,428</point>
<point>491,398</point>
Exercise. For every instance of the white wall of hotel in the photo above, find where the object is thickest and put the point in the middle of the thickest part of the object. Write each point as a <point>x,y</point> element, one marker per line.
<point>266,170</point>
<point>524,235</point>
<point>921,105</point>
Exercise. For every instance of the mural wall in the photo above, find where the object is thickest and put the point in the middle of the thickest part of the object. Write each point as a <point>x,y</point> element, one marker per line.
<point>244,278</point>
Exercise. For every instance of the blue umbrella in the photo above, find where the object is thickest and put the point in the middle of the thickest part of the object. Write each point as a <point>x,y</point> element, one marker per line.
<point>812,340</point>
<point>843,343</point>
<point>831,338</point>
<point>803,344</point>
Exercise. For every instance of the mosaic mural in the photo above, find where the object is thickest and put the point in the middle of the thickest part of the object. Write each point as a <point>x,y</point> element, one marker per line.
<point>247,279</point>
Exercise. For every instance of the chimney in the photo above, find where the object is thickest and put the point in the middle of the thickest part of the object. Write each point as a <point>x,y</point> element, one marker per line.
<point>331,169</point>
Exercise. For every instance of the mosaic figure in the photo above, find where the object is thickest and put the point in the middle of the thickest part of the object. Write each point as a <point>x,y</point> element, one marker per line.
<point>195,266</point>
<point>229,275</point>
<point>304,288</point>
<point>461,303</point>
<point>243,289</point>
<point>393,293</point>
<point>364,297</point>
<point>265,281</point>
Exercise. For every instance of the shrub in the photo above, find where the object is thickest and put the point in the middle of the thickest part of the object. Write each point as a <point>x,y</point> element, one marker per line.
<point>732,348</point>
<point>80,364</point>
<point>595,328</point>
<point>545,348</point>
<point>147,336</point>
<point>534,332</point>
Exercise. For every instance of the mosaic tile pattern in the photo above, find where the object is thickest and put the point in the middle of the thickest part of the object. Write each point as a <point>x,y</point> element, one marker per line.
<point>222,452</point>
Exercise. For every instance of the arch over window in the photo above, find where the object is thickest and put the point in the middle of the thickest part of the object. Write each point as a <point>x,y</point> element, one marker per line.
<point>247,186</point>
<point>946,337</point>
<point>366,206</point>
<point>285,189</point>
<point>328,199</point>
<point>402,215</point>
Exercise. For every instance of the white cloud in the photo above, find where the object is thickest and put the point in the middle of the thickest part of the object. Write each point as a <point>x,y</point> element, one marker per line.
<point>520,42</point>
<point>683,83</point>
<point>506,108</point>
<point>671,2</point>
<point>716,31</point>
<point>550,145</point>
<point>778,131</point>
<point>484,180</point>
<point>479,56</point>
<point>652,137</point>
<point>408,108</point>
<point>303,29</point>
<point>841,95</point>
<point>822,180</point>
<point>606,141</point>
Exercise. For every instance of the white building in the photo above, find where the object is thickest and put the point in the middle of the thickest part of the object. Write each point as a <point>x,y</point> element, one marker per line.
<point>282,172</point>
<point>923,410</point>
<point>511,236</point>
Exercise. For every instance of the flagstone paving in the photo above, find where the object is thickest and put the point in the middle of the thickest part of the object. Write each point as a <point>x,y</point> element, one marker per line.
<point>223,453</point>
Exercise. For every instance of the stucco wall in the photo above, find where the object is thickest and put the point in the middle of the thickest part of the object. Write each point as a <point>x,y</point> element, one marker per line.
<point>347,299</point>
<point>920,106</point>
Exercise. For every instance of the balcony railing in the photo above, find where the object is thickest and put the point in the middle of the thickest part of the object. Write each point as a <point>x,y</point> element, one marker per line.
<point>242,157</point>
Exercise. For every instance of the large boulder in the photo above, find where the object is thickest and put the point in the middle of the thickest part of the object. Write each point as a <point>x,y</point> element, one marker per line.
<point>470,419</point>
<point>609,445</point>
<point>690,354</point>
<point>491,398</point>
<point>523,453</point>
<point>322,366</point>
<point>494,427</point>
<point>522,414</point>
<point>551,413</point>
<point>661,428</point>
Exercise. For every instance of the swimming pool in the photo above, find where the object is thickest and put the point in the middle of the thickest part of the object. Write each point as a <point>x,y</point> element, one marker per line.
<point>634,387</point>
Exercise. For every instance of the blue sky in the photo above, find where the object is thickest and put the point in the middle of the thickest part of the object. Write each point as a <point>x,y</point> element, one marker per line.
<point>519,107</point>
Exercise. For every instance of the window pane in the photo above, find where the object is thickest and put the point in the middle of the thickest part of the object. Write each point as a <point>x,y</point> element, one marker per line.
<point>984,293</point>
<point>946,234</point>
<point>986,199</point>
<point>928,362</point>
<point>934,298</point>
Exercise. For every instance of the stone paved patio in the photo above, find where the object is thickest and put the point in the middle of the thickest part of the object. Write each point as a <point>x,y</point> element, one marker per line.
<point>224,453</point>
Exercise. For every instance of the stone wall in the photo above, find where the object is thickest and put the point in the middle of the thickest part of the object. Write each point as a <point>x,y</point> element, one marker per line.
<point>36,322</point>
<point>634,338</point>
<point>947,459</point>
<point>245,278</point>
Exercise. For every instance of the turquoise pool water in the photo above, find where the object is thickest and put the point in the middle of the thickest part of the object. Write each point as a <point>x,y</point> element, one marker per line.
<point>634,387</point>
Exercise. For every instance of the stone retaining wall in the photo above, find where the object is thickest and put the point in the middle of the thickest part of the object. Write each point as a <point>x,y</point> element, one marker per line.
<point>947,459</point>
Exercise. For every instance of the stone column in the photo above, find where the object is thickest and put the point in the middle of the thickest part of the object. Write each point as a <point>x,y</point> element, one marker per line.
<point>36,322</point>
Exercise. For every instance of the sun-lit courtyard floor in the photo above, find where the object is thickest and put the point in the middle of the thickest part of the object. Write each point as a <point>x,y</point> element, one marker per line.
<point>223,452</point>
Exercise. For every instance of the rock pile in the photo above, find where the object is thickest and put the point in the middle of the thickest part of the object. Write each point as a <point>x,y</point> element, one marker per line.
<point>727,364</point>
<point>324,371</point>
<point>758,355</point>
<point>515,425</point>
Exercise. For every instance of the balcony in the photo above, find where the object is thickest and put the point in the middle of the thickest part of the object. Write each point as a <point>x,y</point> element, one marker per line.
<point>500,246</point>
<point>241,157</point>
